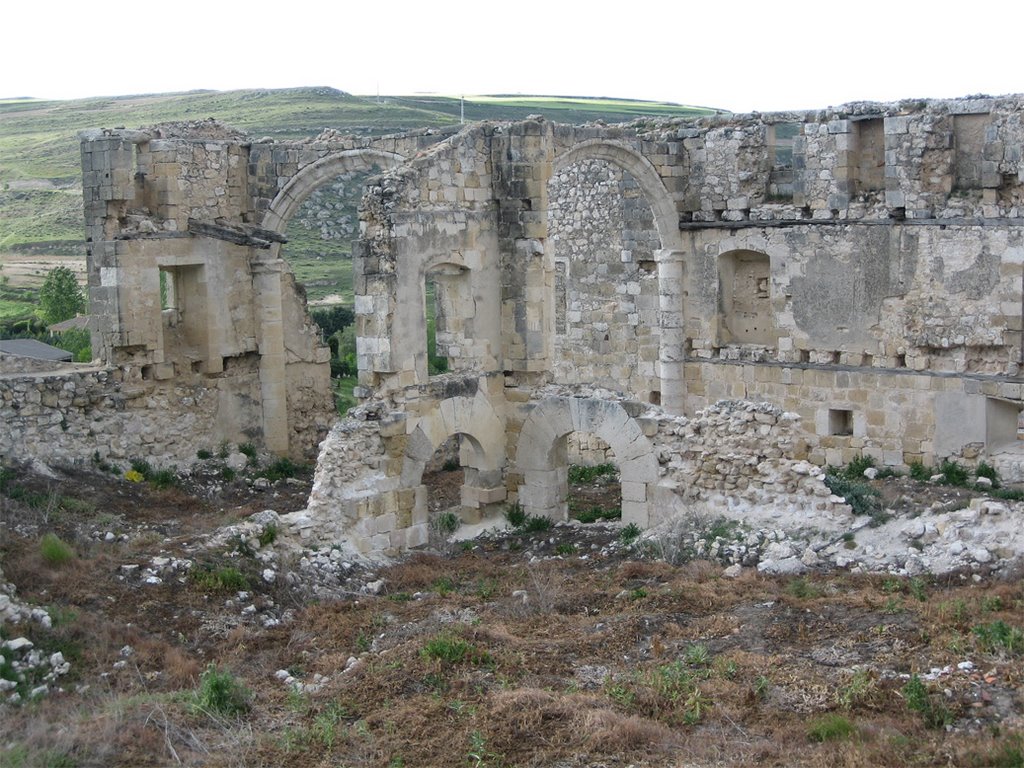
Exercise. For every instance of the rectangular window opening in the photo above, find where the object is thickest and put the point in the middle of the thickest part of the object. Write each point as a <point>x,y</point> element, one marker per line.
<point>840,422</point>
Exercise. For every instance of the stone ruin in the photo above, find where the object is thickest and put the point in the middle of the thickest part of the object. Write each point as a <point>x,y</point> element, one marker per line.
<point>856,272</point>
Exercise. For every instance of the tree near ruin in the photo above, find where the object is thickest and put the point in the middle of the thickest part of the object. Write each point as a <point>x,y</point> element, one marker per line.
<point>60,298</point>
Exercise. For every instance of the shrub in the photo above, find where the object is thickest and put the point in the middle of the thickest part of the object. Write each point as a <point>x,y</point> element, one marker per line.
<point>202,454</point>
<point>953,472</point>
<point>855,469</point>
<point>515,516</point>
<point>984,469</point>
<point>281,469</point>
<point>919,471</point>
<point>220,693</point>
<point>142,467</point>
<point>55,551</point>
<point>862,498</point>
<point>248,449</point>
<point>830,727</point>
<point>163,478</point>
<point>537,524</point>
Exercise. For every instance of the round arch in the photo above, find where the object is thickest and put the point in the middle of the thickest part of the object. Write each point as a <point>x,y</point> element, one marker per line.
<point>543,466</point>
<point>666,217</point>
<point>303,183</point>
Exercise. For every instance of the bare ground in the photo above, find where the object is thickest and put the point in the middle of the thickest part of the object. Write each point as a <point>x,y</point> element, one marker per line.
<point>556,648</point>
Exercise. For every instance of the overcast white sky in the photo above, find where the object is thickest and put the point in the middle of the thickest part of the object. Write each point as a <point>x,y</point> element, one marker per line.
<point>740,55</point>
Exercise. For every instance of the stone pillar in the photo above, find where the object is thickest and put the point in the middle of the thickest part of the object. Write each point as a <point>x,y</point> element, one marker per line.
<point>673,336</point>
<point>522,161</point>
<point>270,337</point>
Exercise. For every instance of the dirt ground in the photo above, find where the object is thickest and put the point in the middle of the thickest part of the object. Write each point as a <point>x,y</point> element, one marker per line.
<point>560,647</point>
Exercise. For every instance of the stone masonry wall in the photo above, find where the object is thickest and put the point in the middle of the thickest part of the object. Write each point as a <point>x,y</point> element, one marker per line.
<point>80,416</point>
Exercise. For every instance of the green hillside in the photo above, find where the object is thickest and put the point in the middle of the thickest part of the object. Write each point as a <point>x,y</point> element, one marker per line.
<point>40,176</point>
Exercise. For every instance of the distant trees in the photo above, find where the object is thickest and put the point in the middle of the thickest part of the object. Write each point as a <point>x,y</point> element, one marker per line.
<point>60,298</point>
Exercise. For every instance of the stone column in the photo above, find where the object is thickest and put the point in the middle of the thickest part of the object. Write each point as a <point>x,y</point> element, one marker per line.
<point>270,336</point>
<point>673,335</point>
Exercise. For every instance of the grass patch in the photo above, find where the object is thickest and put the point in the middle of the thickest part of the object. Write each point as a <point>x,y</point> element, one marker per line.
<point>1000,637</point>
<point>582,474</point>
<point>218,579</point>
<point>453,650</point>
<point>55,551</point>
<point>831,727</point>
<point>220,693</point>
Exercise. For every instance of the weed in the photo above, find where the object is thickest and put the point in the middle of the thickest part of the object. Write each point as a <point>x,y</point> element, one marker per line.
<point>55,551</point>
<point>597,512</point>
<point>919,589</point>
<point>933,712</point>
<point>220,693</point>
<point>919,471</point>
<point>953,473</point>
<point>163,478</point>
<point>992,604</point>
<point>697,655</point>
<point>830,727</point>
<point>984,469</point>
<point>537,524</point>
<point>268,535</point>
<point>133,476</point>
<point>566,548</point>
<point>223,579</point>
<point>281,469</point>
<point>855,469</point>
<point>620,694</point>
<point>227,474</point>
<point>802,589</point>
<point>486,588</point>
<point>762,686</point>
<point>479,754</point>
<point>202,454</point>
<point>141,467</point>
<point>443,586</point>
<point>638,594</point>
<point>446,523</point>
<point>998,636</point>
<point>580,474</point>
<point>363,642</point>
<point>696,705</point>
<point>1009,494</point>
<point>858,689</point>
<point>249,450</point>
<point>515,515</point>
<point>453,650</point>
<point>629,533</point>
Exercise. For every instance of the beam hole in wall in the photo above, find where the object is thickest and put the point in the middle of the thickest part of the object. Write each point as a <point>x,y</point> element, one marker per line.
<point>594,486</point>
<point>840,422</point>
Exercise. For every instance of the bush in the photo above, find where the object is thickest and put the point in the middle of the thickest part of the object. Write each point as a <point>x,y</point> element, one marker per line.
<point>447,523</point>
<point>919,471</point>
<point>984,469</point>
<point>934,713</point>
<point>202,454</point>
<point>855,469</point>
<point>515,516</point>
<point>862,498</point>
<point>281,469</point>
<point>55,551</point>
<point>220,693</point>
<point>953,473</point>
<point>537,524</point>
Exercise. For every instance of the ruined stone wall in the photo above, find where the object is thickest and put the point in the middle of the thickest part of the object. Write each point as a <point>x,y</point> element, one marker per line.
<point>77,417</point>
<point>606,289</point>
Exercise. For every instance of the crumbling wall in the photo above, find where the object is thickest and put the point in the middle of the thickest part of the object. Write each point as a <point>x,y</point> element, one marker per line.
<point>82,417</point>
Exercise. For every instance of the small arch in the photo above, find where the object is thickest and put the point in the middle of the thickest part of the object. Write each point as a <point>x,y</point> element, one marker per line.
<point>540,455</point>
<point>315,174</point>
<point>666,217</point>
<point>483,454</point>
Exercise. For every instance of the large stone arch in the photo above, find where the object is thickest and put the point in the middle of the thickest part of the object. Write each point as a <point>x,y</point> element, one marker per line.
<point>666,217</point>
<point>303,183</point>
<point>483,461</point>
<point>541,459</point>
<point>670,379</point>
